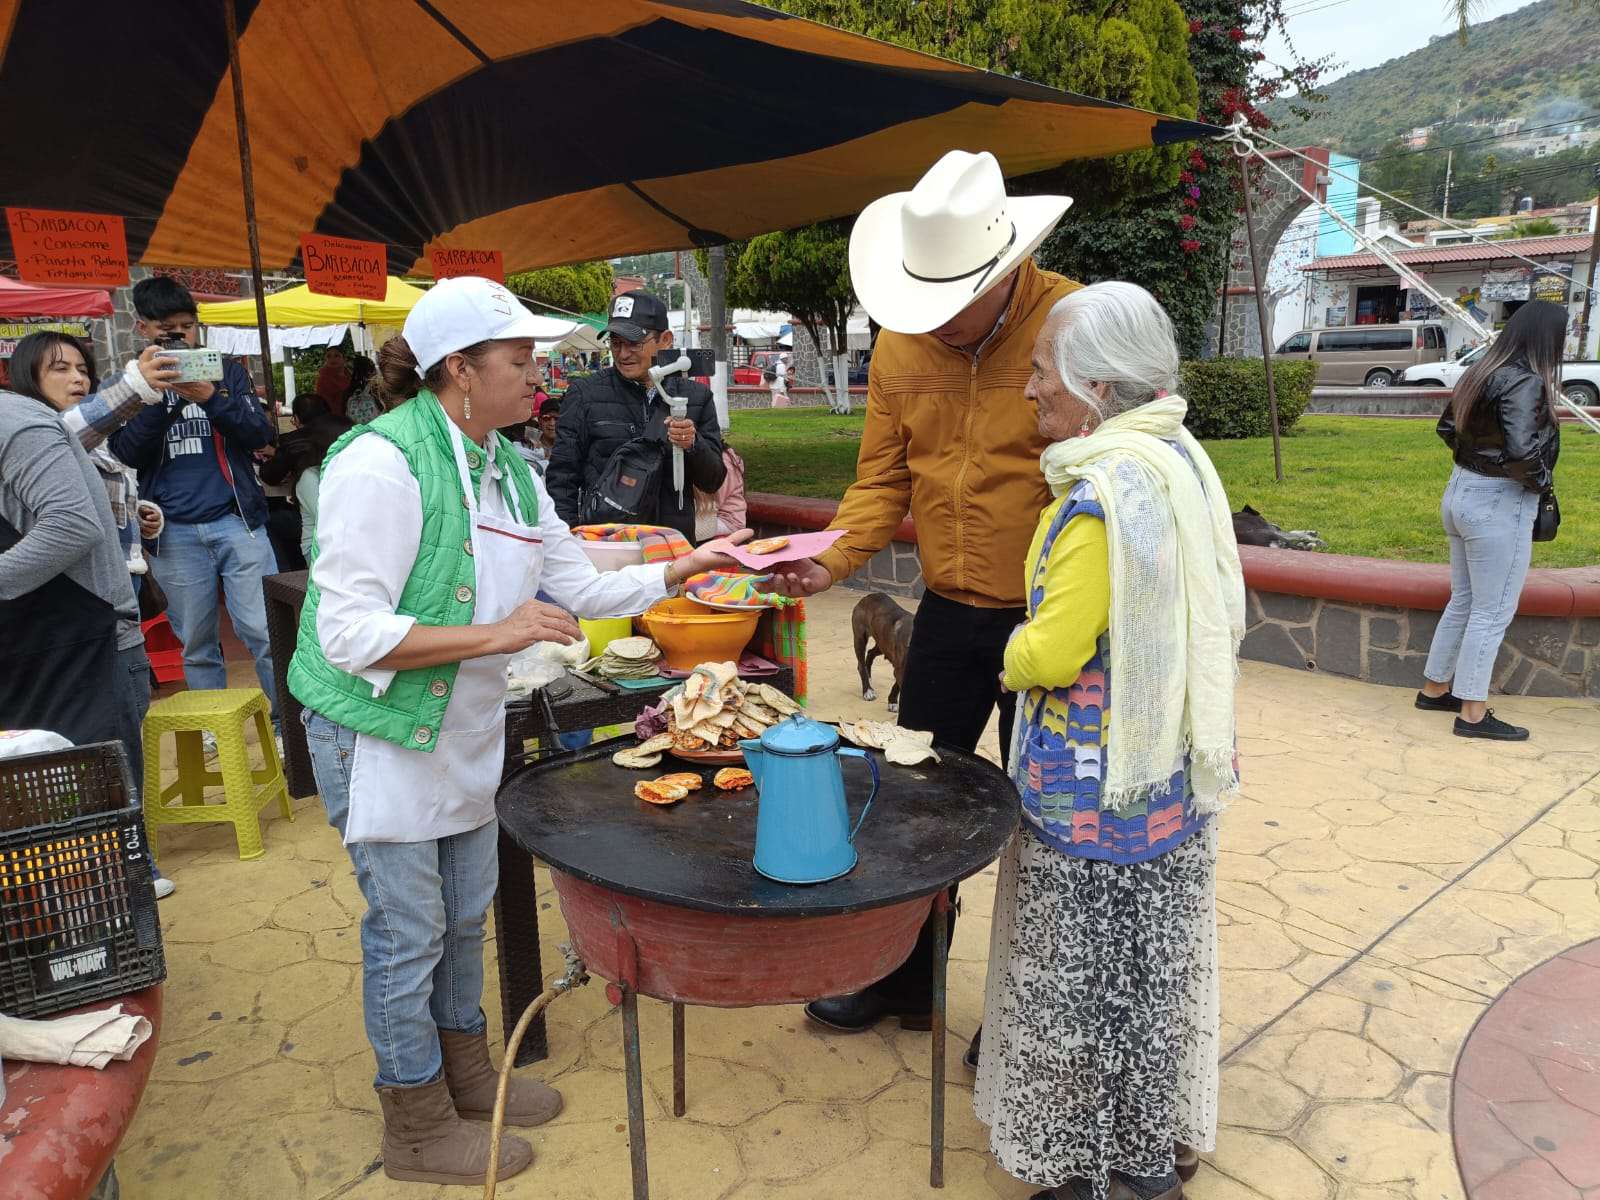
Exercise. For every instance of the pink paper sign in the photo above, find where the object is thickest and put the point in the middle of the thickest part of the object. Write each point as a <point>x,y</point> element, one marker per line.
<point>795,546</point>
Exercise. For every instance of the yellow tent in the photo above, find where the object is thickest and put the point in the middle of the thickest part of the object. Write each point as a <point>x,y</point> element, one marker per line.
<point>301,306</point>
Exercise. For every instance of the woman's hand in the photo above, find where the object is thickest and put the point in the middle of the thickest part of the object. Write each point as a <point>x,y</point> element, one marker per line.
<point>711,556</point>
<point>159,370</point>
<point>534,621</point>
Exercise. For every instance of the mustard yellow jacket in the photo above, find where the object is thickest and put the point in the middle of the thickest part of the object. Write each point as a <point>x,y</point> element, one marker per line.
<point>952,440</point>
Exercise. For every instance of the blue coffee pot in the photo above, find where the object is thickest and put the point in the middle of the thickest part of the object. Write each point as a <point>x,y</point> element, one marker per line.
<point>803,832</point>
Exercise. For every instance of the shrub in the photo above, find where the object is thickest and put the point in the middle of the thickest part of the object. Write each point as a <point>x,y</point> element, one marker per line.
<point>1228,396</point>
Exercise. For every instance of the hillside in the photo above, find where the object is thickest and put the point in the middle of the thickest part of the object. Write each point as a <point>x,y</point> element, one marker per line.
<point>1537,64</point>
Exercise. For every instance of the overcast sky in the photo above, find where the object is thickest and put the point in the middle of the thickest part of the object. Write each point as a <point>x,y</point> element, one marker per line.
<point>1364,33</point>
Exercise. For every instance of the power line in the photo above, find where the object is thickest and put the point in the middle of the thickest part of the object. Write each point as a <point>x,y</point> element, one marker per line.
<point>1307,10</point>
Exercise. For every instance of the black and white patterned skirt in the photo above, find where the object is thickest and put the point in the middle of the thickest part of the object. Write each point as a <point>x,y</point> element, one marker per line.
<point>1101,1012</point>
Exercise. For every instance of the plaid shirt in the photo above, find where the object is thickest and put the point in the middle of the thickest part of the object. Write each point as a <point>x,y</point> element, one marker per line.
<point>96,418</point>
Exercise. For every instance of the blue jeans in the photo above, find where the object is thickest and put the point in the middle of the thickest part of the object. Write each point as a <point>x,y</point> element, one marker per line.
<point>422,933</point>
<point>133,701</point>
<point>192,559</point>
<point>1489,523</point>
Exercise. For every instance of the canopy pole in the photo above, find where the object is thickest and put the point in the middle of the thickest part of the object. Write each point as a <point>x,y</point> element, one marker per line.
<point>247,178</point>
<point>1261,318</point>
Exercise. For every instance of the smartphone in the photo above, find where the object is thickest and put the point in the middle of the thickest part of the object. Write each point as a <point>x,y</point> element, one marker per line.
<point>196,366</point>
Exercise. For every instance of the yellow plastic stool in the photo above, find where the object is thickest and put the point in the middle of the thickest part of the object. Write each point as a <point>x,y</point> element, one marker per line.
<point>245,790</point>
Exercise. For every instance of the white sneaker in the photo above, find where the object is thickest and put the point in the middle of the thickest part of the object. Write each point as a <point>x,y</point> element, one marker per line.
<point>164,888</point>
<point>208,741</point>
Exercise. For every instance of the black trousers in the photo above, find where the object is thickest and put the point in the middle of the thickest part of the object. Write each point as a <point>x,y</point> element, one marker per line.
<point>952,687</point>
<point>283,531</point>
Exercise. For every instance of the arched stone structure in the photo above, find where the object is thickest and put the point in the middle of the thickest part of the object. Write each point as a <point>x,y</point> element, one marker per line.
<point>1276,207</point>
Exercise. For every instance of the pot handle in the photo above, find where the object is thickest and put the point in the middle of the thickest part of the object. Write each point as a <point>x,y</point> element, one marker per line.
<point>872,763</point>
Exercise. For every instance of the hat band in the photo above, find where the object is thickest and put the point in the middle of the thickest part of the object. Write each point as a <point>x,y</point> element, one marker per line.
<point>982,270</point>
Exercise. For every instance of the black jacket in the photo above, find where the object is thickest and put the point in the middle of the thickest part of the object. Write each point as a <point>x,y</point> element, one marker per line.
<point>1510,433</point>
<point>234,412</point>
<point>603,412</point>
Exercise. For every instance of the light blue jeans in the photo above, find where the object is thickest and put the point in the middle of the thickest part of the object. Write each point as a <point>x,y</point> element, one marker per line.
<point>422,933</point>
<point>192,559</point>
<point>1489,523</point>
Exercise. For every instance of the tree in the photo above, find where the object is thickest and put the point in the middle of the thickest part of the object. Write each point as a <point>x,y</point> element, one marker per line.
<point>805,273</point>
<point>1130,51</point>
<point>1540,227</point>
<point>579,288</point>
<point>1174,242</point>
<point>1465,10</point>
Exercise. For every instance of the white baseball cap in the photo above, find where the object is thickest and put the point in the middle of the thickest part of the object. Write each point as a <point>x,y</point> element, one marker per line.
<point>461,312</point>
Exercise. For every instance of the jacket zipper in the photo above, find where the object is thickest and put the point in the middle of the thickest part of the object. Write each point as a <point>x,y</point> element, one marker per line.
<point>961,475</point>
<point>966,448</point>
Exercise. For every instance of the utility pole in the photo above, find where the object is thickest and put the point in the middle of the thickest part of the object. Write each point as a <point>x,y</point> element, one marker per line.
<point>1449,164</point>
<point>1594,277</point>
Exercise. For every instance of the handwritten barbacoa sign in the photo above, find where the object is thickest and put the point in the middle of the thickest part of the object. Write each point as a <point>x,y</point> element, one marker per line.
<point>347,267</point>
<point>449,262</point>
<point>61,248</point>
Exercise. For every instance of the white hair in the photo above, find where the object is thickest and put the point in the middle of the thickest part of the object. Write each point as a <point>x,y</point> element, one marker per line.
<point>1117,334</point>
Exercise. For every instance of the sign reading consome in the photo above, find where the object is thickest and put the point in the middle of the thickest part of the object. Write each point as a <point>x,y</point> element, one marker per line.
<point>348,267</point>
<point>56,247</point>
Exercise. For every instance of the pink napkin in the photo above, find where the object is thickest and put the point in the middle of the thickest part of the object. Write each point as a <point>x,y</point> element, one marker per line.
<point>800,545</point>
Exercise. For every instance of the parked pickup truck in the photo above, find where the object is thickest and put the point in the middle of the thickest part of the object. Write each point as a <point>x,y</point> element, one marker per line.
<point>1580,381</point>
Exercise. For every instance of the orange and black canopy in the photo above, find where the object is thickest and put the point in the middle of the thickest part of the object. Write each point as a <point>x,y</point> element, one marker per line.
<point>552,130</point>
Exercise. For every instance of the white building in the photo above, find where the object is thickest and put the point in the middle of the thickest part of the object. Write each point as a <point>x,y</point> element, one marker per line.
<point>1485,278</point>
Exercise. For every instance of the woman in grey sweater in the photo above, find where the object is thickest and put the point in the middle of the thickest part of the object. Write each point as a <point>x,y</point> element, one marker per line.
<point>64,584</point>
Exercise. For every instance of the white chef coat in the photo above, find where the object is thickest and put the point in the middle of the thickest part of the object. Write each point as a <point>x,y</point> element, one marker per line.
<point>369,529</point>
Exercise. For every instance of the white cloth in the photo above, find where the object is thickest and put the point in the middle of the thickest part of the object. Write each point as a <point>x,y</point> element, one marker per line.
<point>90,1039</point>
<point>1177,600</point>
<point>240,340</point>
<point>398,794</point>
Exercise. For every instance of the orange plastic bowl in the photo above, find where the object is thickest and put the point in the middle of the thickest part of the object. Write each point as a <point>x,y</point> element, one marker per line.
<point>690,634</point>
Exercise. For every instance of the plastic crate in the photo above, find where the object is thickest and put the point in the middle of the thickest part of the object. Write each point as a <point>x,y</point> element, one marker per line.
<point>77,901</point>
<point>163,648</point>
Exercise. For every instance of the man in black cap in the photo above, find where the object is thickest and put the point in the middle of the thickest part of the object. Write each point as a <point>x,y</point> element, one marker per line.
<point>616,430</point>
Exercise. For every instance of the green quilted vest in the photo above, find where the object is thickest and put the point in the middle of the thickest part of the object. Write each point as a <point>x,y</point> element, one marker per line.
<point>441,590</point>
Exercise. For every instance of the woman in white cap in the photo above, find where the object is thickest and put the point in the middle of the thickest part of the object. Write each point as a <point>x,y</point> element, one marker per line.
<point>432,540</point>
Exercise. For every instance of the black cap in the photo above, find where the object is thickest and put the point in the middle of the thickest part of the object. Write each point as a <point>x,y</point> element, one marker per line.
<point>636,315</point>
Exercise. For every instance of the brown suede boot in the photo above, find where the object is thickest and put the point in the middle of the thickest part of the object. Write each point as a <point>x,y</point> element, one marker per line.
<point>425,1141</point>
<point>472,1080</point>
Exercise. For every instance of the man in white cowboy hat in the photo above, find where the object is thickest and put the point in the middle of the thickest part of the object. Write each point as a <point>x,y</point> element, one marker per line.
<point>946,270</point>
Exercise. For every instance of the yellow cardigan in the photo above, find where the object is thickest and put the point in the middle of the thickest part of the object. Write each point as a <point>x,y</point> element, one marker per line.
<point>1060,637</point>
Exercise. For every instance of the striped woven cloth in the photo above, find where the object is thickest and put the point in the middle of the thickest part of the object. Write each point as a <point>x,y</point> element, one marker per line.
<point>738,589</point>
<point>657,542</point>
<point>781,637</point>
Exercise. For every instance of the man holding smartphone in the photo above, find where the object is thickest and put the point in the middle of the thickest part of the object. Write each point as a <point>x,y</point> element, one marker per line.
<point>193,453</point>
<point>616,427</point>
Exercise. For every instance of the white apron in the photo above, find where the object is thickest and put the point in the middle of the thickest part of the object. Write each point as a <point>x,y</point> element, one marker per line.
<point>402,795</point>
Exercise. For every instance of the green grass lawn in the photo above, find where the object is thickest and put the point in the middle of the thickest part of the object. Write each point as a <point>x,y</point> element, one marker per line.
<point>1369,485</point>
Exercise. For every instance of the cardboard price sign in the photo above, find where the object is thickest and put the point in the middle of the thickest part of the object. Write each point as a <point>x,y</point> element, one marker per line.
<point>449,262</point>
<point>338,266</point>
<point>52,246</point>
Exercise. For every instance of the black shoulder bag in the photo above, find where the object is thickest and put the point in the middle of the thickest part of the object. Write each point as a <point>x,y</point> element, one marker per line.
<point>1547,522</point>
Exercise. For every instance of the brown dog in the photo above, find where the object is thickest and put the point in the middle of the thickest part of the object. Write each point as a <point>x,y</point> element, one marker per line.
<point>879,620</point>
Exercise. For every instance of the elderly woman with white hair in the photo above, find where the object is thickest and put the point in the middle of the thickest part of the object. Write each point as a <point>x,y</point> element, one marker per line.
<point>1099,1057</point>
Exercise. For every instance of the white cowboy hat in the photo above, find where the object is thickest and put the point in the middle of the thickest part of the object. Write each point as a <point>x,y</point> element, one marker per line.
<point>918,258</point>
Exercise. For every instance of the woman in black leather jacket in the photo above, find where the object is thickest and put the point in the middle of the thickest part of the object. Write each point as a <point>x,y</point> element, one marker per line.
<point>1501,428</point>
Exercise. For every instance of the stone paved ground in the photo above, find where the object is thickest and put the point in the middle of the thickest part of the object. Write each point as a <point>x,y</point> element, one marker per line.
<point>1380,883</point>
